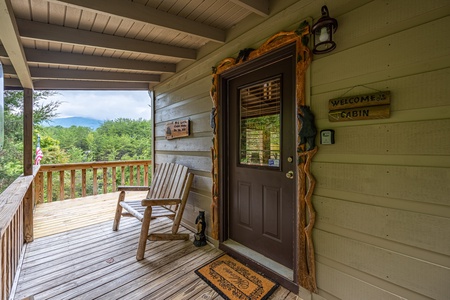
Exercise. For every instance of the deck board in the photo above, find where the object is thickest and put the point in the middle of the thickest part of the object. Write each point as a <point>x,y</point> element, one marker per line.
<point>76,255</point>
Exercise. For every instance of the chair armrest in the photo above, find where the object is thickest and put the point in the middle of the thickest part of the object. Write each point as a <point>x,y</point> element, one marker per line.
<point>157,202</point>
<point>133,188</point>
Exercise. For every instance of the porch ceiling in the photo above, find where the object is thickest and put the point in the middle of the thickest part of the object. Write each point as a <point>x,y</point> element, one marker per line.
<point>109,44</point>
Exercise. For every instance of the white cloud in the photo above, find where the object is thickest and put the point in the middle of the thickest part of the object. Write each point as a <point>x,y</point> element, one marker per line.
<point>103,105</point>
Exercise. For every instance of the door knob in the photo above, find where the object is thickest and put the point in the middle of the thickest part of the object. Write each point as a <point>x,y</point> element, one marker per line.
<point>290,174</point>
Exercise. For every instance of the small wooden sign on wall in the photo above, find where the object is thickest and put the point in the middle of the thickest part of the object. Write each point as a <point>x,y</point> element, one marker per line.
<point>177,129</point>
<point>360,107</point>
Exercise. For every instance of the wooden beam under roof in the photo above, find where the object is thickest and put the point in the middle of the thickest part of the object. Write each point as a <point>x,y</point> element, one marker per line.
<point>11,42</point>
<point>138,12</point>
<point>260,7</point>
<point>72,59</point>
<point>52,73</point>
<point>55,33</point>
<point>47,84</point>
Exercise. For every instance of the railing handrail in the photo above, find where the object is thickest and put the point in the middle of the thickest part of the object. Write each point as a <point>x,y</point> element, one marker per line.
<point>103,176</point>
<point>16,228</point>
<point>11,198</point>
<point>93,164</point>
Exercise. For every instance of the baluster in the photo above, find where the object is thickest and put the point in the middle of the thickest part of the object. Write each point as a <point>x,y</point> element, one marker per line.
<point>72,184</point>
<point>95,185</point>
<point>49,186</point>
<point>105,180</point>
<point>131,175</point>
<point>113,179</point>
<point>83,183</point>
<point>61,185</point>
<point>138,174</point>
<point>123,175</point>
<point>146,175</point>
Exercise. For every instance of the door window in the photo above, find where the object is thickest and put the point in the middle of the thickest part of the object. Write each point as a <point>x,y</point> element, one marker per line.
<point>260,119</point>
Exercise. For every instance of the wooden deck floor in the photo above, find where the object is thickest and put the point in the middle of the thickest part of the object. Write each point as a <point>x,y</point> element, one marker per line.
<point>76,255</point>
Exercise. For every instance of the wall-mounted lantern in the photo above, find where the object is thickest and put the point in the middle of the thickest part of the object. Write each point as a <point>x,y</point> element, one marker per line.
<point>323,31</point>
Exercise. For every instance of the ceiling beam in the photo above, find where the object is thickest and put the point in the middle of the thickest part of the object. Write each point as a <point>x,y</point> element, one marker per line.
<point>11,42</point>
<point>52,73</point>
<point>138,12</point>
<point>55,33</point>
<point>73,59</point>
<point>88,85</point>
<point>260,7</point>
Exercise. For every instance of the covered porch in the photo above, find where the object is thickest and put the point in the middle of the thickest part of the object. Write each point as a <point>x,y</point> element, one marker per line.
<point>76,254</point>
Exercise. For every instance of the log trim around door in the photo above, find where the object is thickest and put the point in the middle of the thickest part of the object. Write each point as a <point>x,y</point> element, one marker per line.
<point>304,271</point>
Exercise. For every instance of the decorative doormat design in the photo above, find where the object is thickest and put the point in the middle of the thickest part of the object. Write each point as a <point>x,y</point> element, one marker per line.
<point>233,280</point>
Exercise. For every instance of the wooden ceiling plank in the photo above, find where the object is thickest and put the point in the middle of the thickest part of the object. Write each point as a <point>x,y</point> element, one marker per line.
<point>146,14</point>
<point>9,36</point>
<point>89,85</point>
<point>52,73</point>
<point>48,32</point>
<point>60,58</point>
<point>260,7</point>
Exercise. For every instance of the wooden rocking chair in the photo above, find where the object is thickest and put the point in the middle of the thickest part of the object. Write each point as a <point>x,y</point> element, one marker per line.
<point>166,197</point>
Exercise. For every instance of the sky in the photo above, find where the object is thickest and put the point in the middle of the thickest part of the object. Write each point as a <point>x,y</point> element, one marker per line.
<point>103,105</point>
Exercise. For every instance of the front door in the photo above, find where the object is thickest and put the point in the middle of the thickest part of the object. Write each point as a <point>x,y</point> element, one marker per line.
<point>261,134</point>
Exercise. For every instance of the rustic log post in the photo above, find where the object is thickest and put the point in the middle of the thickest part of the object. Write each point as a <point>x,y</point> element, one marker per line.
<point>28,162</point>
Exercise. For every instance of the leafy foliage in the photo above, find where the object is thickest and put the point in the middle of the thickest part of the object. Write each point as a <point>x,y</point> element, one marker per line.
<point>120,139</point>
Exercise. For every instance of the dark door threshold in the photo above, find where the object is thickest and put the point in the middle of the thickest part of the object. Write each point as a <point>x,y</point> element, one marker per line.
<point>258,267</point>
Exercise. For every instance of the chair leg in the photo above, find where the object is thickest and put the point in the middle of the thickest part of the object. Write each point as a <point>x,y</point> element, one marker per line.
<point>144,233</point>
<point>118,211</point>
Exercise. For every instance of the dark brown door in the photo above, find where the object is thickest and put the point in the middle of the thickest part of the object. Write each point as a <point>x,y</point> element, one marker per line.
<point>261,159</point>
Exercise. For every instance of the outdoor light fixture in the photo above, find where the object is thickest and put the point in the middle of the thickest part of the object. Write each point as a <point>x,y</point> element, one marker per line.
<point>323,33</point>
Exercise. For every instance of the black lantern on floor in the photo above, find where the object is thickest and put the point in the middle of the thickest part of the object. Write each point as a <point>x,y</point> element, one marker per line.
<point>323,33</point>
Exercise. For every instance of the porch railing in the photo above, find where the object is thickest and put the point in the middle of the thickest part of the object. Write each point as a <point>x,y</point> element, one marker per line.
<point>15,229</point>
<point>91,178</point>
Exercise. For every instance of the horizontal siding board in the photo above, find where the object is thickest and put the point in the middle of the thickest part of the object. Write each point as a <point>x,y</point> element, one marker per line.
<point>422,184</point>
<point>379,19</point>
<point>199,123</point>
<point>410,228</point>
<point>198,89</point>
<point>394,56</point>
<point>200,163</point>
<point>184,144</point>
<point>416,91</point>
<point>191,108</point>
<point>439,161</point>
<point>337,283</point>
<point>413,274</point>
<point>393,139</point>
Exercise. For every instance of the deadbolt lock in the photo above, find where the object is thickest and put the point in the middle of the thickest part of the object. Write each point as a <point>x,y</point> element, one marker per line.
<point>290,174</point>
<point>290,159</point>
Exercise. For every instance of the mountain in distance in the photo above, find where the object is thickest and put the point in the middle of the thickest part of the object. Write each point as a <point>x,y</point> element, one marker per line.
<point>75,121</point>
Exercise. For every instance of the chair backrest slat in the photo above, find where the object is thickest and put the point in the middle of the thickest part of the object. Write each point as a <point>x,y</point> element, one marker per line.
<point>168,182</point>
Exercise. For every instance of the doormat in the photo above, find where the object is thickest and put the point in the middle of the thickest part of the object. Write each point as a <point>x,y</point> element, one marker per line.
<point>233,280</point>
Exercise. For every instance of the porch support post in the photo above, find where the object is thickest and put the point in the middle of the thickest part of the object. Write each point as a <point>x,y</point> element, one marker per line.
<point>28,163</point>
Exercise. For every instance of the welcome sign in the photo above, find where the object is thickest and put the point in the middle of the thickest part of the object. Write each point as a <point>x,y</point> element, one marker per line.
<point>360,107</point>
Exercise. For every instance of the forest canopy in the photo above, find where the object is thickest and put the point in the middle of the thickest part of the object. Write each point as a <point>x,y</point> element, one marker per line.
<point>120,139</point>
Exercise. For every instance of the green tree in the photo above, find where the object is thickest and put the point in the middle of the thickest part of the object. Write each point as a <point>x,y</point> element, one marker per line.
<point>11,156</point>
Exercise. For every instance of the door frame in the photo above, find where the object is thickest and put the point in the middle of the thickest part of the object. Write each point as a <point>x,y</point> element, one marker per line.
<point>304,268</point>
